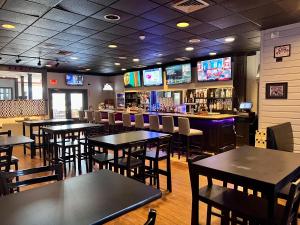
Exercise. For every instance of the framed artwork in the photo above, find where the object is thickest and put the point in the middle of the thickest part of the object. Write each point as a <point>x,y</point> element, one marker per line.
<point>277,90</point>
<point>282,51</point>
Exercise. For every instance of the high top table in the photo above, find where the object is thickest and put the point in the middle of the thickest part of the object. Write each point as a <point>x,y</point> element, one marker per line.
<point>93,198</point>
<point>259,169</point>
<point>40,123</point>
<point>14,140</point>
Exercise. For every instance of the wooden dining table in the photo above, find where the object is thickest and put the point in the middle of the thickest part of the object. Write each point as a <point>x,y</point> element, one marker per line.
<point>15,140</point>
<point>93,198</point>
<point>264,170</point>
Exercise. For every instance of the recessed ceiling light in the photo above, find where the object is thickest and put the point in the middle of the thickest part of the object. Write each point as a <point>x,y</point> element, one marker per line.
<point>74,58</point>
<point>117,64</point>
<point>112,46</point>
<point>142,37</point>
<point>182,58</point>
<point>48,65</point>
<point>123,69</point>
<point>229,39</point>
<point>87,69</point>
<point>194,41</point>
<point>189,49</point>
<point>212,53</point>
<point>182,24</point>
<point>122,57</point>
<point>158,63</point>
<point>135,60</point>
<point>8,26</point>
<point>112,17</point>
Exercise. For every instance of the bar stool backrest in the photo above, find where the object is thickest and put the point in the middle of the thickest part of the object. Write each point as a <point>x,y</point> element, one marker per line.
<point>81,115</point>
<point>139,121</point>
<point>111,118</point>
<point>90,116</point>
<point>97,115</point>
<point>168,124</point>
<point>154,122</point>
<point>126,120</point>
<point>184,125</point>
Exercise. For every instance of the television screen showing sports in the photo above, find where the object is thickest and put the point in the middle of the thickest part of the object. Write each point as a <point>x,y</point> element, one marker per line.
<point>74,80</point>
<point>214,69</point>
<point>179,74</point>
<point>132,79</point>
<point>152,77</point>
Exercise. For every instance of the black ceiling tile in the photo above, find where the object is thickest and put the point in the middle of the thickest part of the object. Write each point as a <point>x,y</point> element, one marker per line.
<point>105,36</point>
<point>139,23</point>
<point>8,33</point>
<point>51,24</point>
<point>78,45</point>
<point>5,58</point>
<point>63,16</point>
<point>262,11</point>
<point>69,37</point>
<point>123,15</point>
<point>211,13</point>
<point>18,27</point>
<point>95,24</point>
<point>5,39</point>
<point>251,34</point>
<point>50,3</point>
<point>179,35</point>
<point>93,51</point>
<point>12,51</point>
<point>24,42</point>
<point>229,21</point>
<point>83,7</point>
<point>218,34</point>
<point>120,30</point>
<point>127,41</point>
<point>202,28</point>
<point>135,7</point>
<point>207,43</point>
<point>277,20</point>
<point>25,7</point>
<point>20,47</point>
<point>147,35</point>
<point>16,17</point>
<point>237,5</point>
<point>161,2</point>
<point>103,2</point>
<point>160,30</point>
<point>57,41</point>
<point>161,14</point>
<point>80,31</point>
<point>242,28</point>
<point>32,37</point>
<point>91,41</point>
<point>255,39</point>
<point>40,31</point>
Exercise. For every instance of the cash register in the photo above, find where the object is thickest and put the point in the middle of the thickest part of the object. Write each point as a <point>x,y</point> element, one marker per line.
<point>245,110</point>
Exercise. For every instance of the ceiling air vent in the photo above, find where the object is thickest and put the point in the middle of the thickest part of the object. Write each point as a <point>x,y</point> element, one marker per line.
<point>189,6</point>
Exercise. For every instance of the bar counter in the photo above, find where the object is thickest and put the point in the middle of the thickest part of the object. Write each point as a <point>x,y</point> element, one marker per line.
<point>218,129</point>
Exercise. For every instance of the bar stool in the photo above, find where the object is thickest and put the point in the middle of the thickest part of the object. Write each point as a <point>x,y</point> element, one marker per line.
<point>90,116</point>
<point>81,116</point>
<point>97,115</point>
<point>169,128</point>
<point>113,123</point>
<point>186,133</point>
<point>154,123</point>
<point>140,123</point>
<point>127,124</point>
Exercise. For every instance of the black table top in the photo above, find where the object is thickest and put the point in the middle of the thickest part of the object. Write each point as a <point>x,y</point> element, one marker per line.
<point>127,137</point>
<point>48,121</point>
<point>71,127</point>
<point>14,140</point>
<point>266,166</point>
<point>94,198</point>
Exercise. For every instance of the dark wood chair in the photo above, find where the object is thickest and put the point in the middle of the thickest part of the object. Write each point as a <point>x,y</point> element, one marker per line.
<point>38,136</point>
<point>14,159</point>
<point>151,217</point>
<point>133,161</point>
<point>5,158</point>
<point>280,137</point>
<point>8,186</point>
<point>161,152</point>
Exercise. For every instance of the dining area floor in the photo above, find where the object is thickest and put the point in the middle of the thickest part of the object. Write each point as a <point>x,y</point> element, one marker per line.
<point>173,208</point>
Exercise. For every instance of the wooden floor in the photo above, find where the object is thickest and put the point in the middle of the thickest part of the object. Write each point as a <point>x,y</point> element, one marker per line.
<point>173,208</point>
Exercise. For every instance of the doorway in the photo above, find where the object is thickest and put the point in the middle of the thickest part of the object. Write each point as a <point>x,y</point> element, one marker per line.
<point>66,104</point>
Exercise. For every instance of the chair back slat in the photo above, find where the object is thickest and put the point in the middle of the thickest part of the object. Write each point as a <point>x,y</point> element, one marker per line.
<point>280,137</point>
<point>136,150</point>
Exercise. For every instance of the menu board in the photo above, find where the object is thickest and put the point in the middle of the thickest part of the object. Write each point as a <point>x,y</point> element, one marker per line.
<point>179,74</point>
<point>214,69</point>
<point>132,79</point>
<point>152,77</point>
<point>74,80</point>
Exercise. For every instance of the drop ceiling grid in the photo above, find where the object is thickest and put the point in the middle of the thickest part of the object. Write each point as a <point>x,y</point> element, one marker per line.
<point>155,18</point>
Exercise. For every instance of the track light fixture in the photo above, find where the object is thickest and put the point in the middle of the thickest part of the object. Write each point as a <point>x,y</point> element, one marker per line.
<point>18,59</point>
<point>39,63</point>
<point>57,63</point>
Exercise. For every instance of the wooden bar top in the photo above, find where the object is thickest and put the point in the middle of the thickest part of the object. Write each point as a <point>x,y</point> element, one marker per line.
<point>214,116</point>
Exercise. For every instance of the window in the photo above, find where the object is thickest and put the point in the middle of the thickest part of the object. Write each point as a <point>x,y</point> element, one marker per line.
<point>5,93</point>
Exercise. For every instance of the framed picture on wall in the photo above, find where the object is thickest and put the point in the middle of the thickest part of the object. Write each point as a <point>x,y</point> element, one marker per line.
<point>282,51</point>
<point>276,90</point>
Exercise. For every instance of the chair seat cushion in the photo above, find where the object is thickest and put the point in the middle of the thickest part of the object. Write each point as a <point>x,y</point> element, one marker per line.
<point>134,162</point>
<point>103,157</point>
<point>195,132</point>
<point>151,154</point>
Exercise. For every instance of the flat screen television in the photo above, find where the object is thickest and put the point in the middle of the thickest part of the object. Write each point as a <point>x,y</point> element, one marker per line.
<point>152,77</point>
<point>179,74</point>
<point>74,80</point>
<point>214,69</point>
<point>132,79</point>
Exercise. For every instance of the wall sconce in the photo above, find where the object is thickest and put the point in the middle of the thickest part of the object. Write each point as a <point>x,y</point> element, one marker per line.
<point>107,87</point>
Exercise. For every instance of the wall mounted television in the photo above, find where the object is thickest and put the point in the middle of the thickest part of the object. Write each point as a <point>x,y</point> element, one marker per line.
<point>74,80</point>
<point>152,77</point>
<point>214,69</point>
<point>132,79</point>
<point>179,74</point>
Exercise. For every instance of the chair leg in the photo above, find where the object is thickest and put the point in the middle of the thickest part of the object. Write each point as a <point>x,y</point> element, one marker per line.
<point>208,215</point>
<point>156,173</point>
